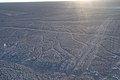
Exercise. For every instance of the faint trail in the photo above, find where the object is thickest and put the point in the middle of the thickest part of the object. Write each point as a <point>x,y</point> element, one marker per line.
<point>109,51</point>
<point>59,49</point>
<point>92,49</point>
<point>83,43</point>
<point>52,21</point>
<point>36,30</point>
<point>11,12</point>
<point>52,31</point>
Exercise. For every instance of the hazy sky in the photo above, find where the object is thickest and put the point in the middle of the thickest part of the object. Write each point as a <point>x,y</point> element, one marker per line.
<point>3,1</point>
<point>38,0</point>
<point>30,0</point>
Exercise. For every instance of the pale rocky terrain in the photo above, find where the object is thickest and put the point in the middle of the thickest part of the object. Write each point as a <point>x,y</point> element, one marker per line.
<point>59,41</point>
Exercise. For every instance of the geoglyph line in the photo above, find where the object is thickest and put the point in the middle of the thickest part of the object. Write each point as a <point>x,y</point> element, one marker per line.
<point>93,48</point>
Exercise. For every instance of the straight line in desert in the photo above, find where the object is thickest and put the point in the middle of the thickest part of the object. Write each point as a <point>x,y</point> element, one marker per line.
<point>93,46</point>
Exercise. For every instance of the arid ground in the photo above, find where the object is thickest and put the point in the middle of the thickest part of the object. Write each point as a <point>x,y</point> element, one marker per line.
<point>60,41</point>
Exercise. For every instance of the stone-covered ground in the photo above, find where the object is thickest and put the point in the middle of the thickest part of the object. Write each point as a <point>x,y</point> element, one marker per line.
<point>59,41</point>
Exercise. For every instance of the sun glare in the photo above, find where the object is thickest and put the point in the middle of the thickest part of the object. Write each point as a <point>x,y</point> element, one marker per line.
<point>86,0</point>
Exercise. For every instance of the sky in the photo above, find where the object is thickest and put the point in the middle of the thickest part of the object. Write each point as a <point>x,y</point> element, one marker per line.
<point>37,0</point>
<point>8,1</point>
<point>31,0</point>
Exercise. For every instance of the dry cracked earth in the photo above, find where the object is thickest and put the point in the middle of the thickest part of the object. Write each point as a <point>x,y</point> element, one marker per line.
<point>59,41</point>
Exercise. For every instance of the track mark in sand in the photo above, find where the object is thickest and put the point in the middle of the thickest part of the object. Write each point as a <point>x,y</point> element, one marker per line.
<point>83,43</point>
<point>92,49</point>
<point>61,50</point>
<point>31,29</point>
<point>53,31</point>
